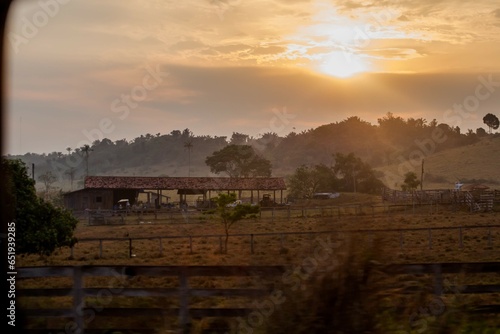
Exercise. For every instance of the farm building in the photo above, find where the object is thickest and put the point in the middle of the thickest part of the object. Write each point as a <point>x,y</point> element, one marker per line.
<point>102,192</point>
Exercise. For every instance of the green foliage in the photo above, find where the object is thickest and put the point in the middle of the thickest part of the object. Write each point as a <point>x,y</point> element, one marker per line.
<point>238,161</point>
<point>355,174</point>
<point>309,180</point>
<point>229,215</point>
<point>41,226</point>
<point>410,182</point>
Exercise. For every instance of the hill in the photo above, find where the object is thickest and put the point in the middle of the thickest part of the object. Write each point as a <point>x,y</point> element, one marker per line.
<point>393,146</point>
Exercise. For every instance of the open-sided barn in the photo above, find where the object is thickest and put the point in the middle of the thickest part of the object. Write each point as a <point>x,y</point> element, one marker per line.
<point>102,192</point>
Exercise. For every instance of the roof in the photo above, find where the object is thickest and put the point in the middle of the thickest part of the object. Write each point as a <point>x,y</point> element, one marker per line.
<point>475,186</point>
<point>173,183</point>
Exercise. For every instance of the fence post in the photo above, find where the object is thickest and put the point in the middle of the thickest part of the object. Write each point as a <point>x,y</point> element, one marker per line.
<point>461,237</point>
<point>438,280</point>
<point>272,214</point>
<point>430,238</point>
<point>78,300</point>
<point>251,243</point>
<point>100,248</point>
<point>184,320</point>
<point>130,247</point>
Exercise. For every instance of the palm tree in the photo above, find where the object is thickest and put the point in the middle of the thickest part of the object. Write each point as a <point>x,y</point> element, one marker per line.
<point>86,149</point>
<point>189,146</point>
<point>71,172</point>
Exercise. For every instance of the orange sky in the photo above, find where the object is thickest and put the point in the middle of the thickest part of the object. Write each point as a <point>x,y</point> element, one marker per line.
<point>121,68</point>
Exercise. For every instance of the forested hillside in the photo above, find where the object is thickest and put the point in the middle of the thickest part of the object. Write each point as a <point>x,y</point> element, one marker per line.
<point>394,143</point>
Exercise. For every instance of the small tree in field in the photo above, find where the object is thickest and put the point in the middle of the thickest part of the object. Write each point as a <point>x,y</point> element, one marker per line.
<point>229,214</point>
<point>410,182</point>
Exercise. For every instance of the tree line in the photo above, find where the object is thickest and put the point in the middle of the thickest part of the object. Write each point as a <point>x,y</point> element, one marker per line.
<point>182,153</point>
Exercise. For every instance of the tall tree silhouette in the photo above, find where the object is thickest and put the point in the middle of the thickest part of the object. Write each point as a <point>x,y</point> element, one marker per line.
<point>492,121</point>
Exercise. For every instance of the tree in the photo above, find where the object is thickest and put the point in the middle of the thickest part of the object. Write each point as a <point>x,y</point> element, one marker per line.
<point>43,226</point>
<point>238,161</point>
<point>229,215</point>
<point>47,178</point>
<point>410,182</point>
<point>492,121</point>
<point>355,174</point>
<point>480,132</point>
<point>85,149</point>
<point>71,172</point>
<point>306,181</point>
<point>189,145</point>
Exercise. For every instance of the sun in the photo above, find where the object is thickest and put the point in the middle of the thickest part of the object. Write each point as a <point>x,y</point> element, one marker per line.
<point>342,64</point>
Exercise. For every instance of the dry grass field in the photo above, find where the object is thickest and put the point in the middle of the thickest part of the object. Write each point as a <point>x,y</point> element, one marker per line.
<point>478,245</point>
<point>461,163</point>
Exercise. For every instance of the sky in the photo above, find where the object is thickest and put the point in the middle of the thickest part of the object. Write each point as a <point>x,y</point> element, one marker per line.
<point>81,70</point>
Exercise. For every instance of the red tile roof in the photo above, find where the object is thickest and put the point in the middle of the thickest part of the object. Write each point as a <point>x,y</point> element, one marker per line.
<point>175,183</point>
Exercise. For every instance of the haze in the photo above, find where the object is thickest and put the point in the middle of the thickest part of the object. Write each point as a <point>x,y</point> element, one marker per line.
<point>83,70</point>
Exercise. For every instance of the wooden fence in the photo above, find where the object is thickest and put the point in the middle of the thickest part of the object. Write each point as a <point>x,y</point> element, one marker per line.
<point>81,314</point>
<point>398,233</point>
<point>102,217</point>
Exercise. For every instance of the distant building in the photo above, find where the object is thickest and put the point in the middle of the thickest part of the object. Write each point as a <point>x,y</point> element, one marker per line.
<point>103,192</point>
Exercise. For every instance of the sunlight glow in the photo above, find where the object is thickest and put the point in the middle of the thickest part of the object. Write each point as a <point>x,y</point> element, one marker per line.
<point>343,64</point>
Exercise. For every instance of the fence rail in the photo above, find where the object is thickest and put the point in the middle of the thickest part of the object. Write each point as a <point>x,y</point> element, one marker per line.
<point>183,292</point>
<point>100,217</point>
<point>398,232</point>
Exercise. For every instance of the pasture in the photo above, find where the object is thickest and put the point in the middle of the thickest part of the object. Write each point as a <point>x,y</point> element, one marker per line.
<point>398,237</point>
